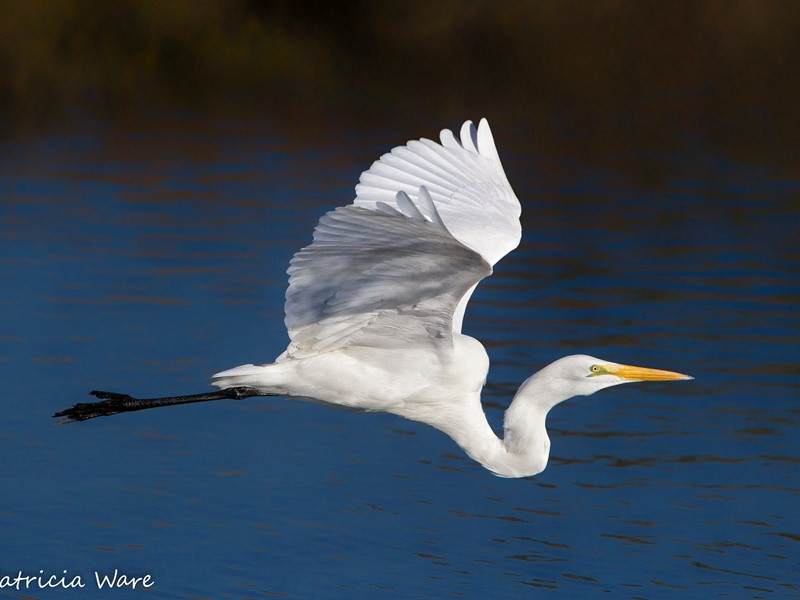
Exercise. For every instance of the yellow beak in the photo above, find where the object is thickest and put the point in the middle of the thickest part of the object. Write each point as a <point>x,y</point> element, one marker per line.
<point>629,373</point>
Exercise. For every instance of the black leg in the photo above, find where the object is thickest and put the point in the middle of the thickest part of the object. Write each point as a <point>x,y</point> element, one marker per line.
<point>113,403</point>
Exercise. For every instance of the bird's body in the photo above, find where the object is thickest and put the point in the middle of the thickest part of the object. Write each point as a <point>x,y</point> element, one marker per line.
<point>375,306</point>
<point>439,387</point>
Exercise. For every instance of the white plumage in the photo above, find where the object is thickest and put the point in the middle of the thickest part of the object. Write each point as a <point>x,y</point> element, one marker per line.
<point>375,305</point>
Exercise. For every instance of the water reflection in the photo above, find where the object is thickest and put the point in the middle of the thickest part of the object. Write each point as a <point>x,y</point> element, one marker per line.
<point>145,260</point>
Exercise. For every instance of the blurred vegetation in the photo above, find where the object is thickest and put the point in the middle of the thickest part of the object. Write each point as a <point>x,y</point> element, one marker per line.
<point>720,64</point>
<point>121,55</point>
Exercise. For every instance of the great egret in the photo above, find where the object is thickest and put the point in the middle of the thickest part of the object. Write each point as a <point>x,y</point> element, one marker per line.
<point>375,305</point>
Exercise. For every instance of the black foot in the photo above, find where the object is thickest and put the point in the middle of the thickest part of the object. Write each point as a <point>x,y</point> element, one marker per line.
<point>112,403</point>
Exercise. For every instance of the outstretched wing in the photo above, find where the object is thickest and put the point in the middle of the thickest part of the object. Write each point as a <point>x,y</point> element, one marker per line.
<point>468,186</point>
<point>465,180</point>
<point>381,277</point>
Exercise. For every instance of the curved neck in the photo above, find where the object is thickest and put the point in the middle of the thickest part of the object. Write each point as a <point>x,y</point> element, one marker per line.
<point>525,447</point>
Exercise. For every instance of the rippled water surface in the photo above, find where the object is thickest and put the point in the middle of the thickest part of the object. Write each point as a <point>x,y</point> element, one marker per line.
<point>144,259</point>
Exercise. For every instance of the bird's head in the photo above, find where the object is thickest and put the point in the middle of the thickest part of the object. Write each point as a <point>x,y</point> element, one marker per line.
<point>581,375</point>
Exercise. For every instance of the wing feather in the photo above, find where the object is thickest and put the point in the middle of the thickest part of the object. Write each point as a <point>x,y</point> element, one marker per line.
<point>399,265</point>
<point>378,278</point>
<point>469,136</point>
<point>465,180</point>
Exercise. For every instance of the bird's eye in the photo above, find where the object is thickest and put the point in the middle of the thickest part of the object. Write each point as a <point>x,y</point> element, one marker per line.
<point>595,369</point>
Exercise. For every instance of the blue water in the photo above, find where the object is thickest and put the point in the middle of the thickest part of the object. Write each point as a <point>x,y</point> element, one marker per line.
<point>142,258</point>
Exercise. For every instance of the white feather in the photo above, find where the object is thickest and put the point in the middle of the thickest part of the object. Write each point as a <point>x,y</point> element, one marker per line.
<point>375,304</point>
<point>465,181</point>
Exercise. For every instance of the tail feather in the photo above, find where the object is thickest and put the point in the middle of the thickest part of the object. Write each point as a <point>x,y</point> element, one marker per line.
<point>258,376</point>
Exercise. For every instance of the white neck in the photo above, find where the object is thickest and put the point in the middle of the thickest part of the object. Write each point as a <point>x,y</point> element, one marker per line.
<point>525,446</point>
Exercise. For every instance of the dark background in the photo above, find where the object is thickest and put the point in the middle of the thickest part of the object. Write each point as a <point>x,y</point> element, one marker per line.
<point>613,72</point>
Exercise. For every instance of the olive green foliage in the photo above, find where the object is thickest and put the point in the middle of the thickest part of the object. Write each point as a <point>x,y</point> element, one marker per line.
<point>121,55</point>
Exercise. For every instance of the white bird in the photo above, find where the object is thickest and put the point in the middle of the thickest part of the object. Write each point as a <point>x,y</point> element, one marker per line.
<point>375,306</point>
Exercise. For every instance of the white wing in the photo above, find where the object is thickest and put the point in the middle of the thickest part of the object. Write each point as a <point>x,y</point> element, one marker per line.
<point>465,180</point>
<point>379,277</point>
<point>467,184</point>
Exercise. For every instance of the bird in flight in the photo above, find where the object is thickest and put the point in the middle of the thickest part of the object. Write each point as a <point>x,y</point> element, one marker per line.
<point>375,306</point>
